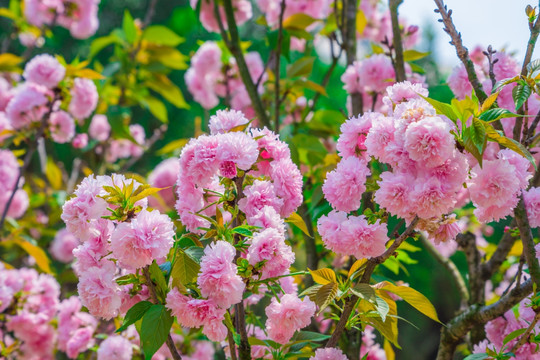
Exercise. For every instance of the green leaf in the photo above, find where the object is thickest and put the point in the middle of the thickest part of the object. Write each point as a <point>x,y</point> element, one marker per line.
<point>323,276</point>
<point>156,107</point>
<point>166,88</point>
<point>442,108</point>
<point>297,221</point>
<point>128,25</point>
<point>411,55</point>
<point>478,134</point>
<point>477,357</point>
<point>135,313</point>
<point>102,42</point>
<point>242,230</point>
<point>156,325</point>
<point>170,57</point>
<point>157,276</point>
<point>514,334</point>
<point>520,94</point>
<point>301,67</point>
<point>364,291</point>
<point>309,336</point>
<point>162,35</point>
<point>184,269</point>
<point>413,297</point>
<point>470,146</point>
<point>382,307</point>
<point>496,114</point>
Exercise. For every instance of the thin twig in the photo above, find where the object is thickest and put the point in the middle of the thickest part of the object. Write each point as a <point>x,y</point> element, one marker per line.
<point>149,13</point>
<point>527,239</point>
<point>277,100</point>
<point>158,133</point>
<point>525,336</point>
<point>398,44</point>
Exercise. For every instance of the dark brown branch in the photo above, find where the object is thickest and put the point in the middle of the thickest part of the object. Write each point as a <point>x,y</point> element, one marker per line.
<point>349,34</point>
<point>527,239</point>
<point>532,130</point>
<point>499,256</point>
<point>399,63</point>
<point>455,331</point>
<point>461,51</point>
<point>233,44</point>
<point>350,304</point>
<point>525,336</point>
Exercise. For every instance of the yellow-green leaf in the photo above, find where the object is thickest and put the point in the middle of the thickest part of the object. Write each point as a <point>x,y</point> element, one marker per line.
<point>326,294</point>
<point>53,174</point>
<point>159,34</point>
<point>413,297</point>
<point>185,269</point>
<point>489,101</point>
<point>297,221</point>
<point>298,21</point>
<point>361,21</point>
<point>157,108</point>
<point>145,193</point>
<point>42,260</point>
<point>358,264</point>
<point>411,55</point>
<point>165,87</point>
<point>389,351</point>
<point>323,276</point>
<point>172,146</point>
<point>9,62</point>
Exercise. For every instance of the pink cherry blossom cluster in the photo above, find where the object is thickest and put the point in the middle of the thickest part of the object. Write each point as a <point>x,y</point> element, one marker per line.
<point>371,76</point>
<point>111,248</point>
<point>210,78</point>
<point>504,67</point>
<point>39,98</point>
<point>38,323</point>
<point>242,13</point>
<point>78,16</point>
<point>498,329</point>
<point>9,172</point>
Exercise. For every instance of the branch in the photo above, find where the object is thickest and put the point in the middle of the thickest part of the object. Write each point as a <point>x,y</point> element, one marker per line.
<point>399,64</point>
<point>149,13</point>
<point>277,68</point>
<point>520,214</point>
<point>449,266</point>
<point>233,44</point>
<point>350,304</point>
<point>461,51</point>
<point>499,256</point>
<point>152,291</point>
<point>527,332</point>
<point>535,30</point>
<point>349,43</point>
<point>158,133</point>
<point>454,332</point>
<point>467,242</point>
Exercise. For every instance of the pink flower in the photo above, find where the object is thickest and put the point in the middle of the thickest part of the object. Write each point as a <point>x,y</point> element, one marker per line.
<point>62,127</point>
<point>376,73</point>
<point>6,93</point>
<point>531,198</point>
<point>18,205</point>
<point>164,176</point>
<point>344,186</point>
<point>84,21</point>
<point>393,193</point>
<point>521,164</point>
<point>99,128</point>
<point>5,127</point>
<point>99,292</point>
<point>351,78</point>
<point>148,236</point>
<point>379,137</point>
<point>267,217</point>
<point>193,313</point>
<point>430,198</point>
<point>81,340</point>
<point>258,195</point>
<point>288,184</point>
<point>242,13</point>
<point>361,239</point>
<point>115,347</point>
<point>493,189</point>
<point>353,134</point>
<point>27,105</point>
<point>287,316</point>
<point>80,141</point>
<point>44,70</point>
<point>269,245</point>
<point>403,91</point>
<point>237,148</point>
<point>429,141</point>
<point>218,279</point>
<point>328,354</point>
<point>62,246</point>
<point>459,81</point>
<point>84,98</point>
<point>225,120</point>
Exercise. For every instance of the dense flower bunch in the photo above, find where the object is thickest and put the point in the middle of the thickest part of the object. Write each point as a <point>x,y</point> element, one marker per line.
<point>210,78</point>
<point>253,169</point>
<point>47,98</point>
<point>512,320</point>
<point>9,172</point>
<point>426,178</point>
<point>37,321</point>
<point>113,242</point>
<point>78,16</point>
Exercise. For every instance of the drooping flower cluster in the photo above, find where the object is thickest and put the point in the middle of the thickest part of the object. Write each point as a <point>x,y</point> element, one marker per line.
<point>39,100</point>
<point>112,248</point>
<point>30,305</point>
<point>498,329</point>
<point>9,172</point>
<point>78,16</point>
<point>209,78</point>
